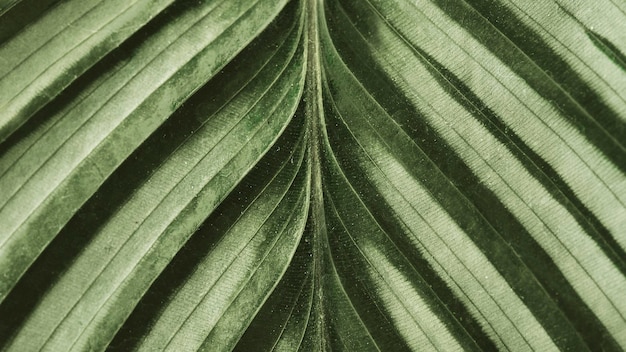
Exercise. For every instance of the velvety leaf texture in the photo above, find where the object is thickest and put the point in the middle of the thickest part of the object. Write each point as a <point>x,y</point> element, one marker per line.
<point>312,175</point>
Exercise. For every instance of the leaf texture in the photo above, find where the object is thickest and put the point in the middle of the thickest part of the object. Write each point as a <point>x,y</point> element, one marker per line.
<point>81,146</point>
<point>313,175</point>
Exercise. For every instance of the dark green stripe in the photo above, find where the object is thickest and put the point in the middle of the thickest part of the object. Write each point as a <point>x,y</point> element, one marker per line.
<point>538,167</point>
<point>25,11</point>
<point>496,27</point>
<point>605,45</point>
<point>441,292</point>
<point>316,337</point>
<point>288,151</point>
<point>396,245</point>
<point>342,208</point>
<point>608,48</point>
<point>212,230</point>
<point>103,68</point>
<point>352,269</point>
<point>287,302</point>
<point>357,57</point>
<point>498,251</point>
<point>534,164</point>
<point>345,327</point>
<point>58,256</point>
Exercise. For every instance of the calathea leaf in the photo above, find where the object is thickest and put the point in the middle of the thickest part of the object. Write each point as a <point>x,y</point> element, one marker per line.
<point>313,175</point>
<point>65,41</point>
<point>50,174</point>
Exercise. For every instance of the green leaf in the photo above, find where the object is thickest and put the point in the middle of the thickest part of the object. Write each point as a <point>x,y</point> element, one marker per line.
<point>48,55</point>
<point>72,154</point>
<point>312,175</point>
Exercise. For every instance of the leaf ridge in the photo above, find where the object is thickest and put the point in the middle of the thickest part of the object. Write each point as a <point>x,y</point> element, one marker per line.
<point>291,51</point>
<point>418,52</point>
<point>302,199</point>
<point>591,169</point>
<point>342,174</point>
<point>314,113</point>
<point>534,164</point>
<point>565,47</point>
<point>137,229</point>
<point>120,88</point>
<point>411,126</point>
<point>368,260</point>
<point>374,129</point>
<point>90,7</point>
<point>76,45</point>
<point>150,124</point>
<point>29,96</point>
<point>105,104</point>
<point>291,312</point>
<point>506,182</point>
<point>548,76</point>
<point>592,98</point>
<point>354,191</point>
<point>459,179</point>
<point>441,265</point>
<point>272,180</point>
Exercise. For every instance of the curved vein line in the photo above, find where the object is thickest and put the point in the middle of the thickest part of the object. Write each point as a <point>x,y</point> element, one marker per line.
<point>64,29</point>
<point>347,298</point>
<point>533,62</point>
<point>234,258</point>
<point>415,210</point>
<point>430,160</point>
<point>366,208</point>
<point>508,141</point>
<point>478,210</point>
<point>230,227</point>
<point>308,319</point>
<point>322,127</point>
<point>424,248</point>
<point>434,258</point>
<point>113,96</point>
<point>308,315</point>
<point>574,151</point>
<point>159,203</point>
<point>309,307</point>
<point>291,310</point>
<point>2,244</point>
<point>153,243</point>
<point>381,276</point>
<point>568,49</point>
<point>406,226</point>
<point>66,54</point>
<point>67,111</point>
<point>510,188</point>
<point>284,231</point>
<point>241,119</point>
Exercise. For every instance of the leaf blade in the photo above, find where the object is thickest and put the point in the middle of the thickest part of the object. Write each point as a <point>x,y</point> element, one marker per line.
<point>43,207</point>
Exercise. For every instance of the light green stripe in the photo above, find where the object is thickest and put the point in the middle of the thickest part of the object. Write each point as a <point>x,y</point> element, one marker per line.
<point>569,40</point>
<point>30,39</point>
<point>409,312</point>
<point>460,263</point>
<point>595,180</point>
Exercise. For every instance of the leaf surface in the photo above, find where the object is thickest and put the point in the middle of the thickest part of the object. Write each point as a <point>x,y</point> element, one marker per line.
<point>313,175</point>
<point>74,152</point>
